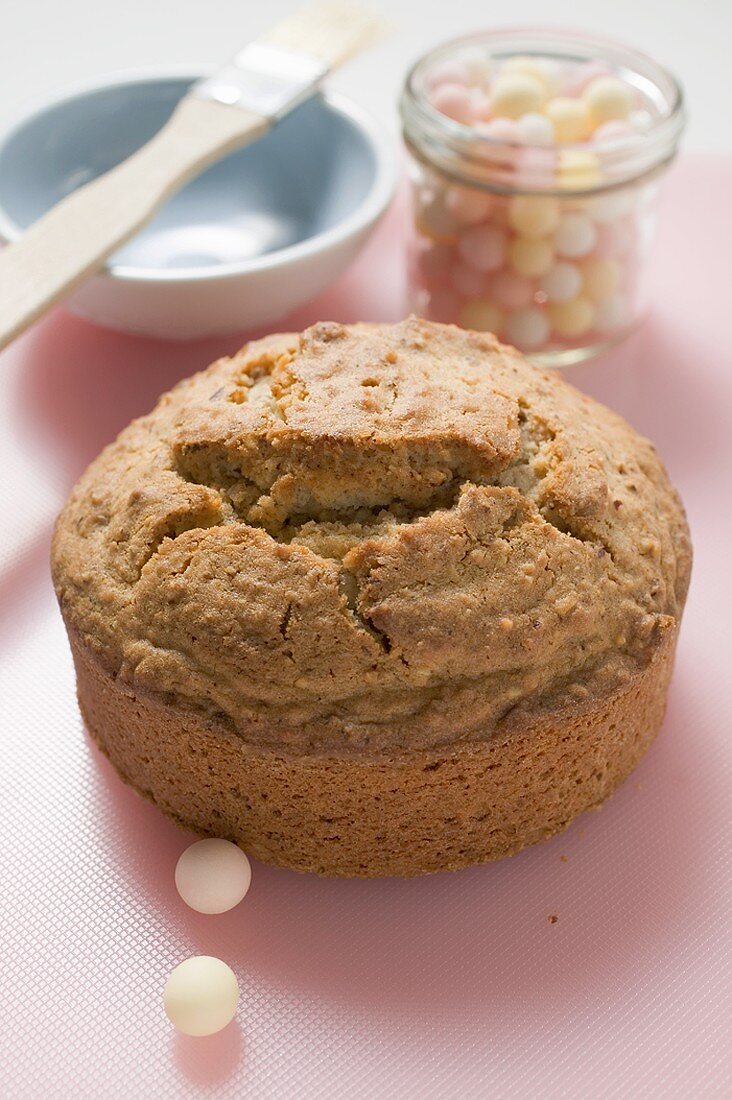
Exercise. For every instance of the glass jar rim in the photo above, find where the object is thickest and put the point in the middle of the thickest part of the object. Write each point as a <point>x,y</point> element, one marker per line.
<point>466,154</point>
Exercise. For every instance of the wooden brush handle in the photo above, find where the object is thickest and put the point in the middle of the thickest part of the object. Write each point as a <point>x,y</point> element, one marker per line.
<point>74,239</point>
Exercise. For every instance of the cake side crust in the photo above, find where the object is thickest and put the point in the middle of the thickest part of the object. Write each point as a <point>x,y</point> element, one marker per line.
<point>403,813</point>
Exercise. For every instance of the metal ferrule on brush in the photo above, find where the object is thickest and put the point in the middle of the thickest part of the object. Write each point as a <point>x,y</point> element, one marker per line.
<point>266,80</point>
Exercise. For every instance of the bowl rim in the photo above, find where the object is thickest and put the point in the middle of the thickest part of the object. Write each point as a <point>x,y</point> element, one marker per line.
<point>373,204</point>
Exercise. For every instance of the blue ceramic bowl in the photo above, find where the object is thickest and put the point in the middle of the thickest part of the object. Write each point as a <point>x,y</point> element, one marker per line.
<point>256,235</point>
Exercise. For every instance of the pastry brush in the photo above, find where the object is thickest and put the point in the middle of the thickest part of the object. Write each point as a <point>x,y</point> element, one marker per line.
<point>223,112</point>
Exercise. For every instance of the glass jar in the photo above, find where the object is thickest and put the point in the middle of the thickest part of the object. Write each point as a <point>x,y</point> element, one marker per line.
<point>536,160</point>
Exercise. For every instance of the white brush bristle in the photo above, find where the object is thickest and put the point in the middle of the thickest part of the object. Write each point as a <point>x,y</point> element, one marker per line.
<point>331,30</point>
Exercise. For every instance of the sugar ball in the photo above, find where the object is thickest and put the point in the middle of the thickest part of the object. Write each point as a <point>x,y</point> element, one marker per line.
<point>533,215</point>
<point>434,220</point>
<point>570,119</point>
<point>612,313</point>
<point>600,277</point>
<point>499,129</point>
<point>531,258</point>
<point>443,305</point>
<point>447,72</point>
<point>574,236</point>
<point>201,995</point>
<point>213,875</point>
<point>527,328</point>
<point>432,263</point>
<point>607,98</point>
<point>546,71</point>
<point>468,205</point>
<point>562,282</point>
<point>535,129</point>
<point>511,291</point>
<point>572,319</point>
<point>483,247</point>
<point>476,66</point>
<point>516,94</point>
<point>482,316</point>
<point>577,169</point>
<point>467,281</point>
<point>454,101</point>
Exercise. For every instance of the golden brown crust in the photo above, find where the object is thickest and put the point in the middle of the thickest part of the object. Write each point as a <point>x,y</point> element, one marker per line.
<point>405,813</point>
<point>374,538</point>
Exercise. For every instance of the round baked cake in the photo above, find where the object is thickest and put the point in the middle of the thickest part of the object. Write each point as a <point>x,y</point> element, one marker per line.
<point>374,600</point>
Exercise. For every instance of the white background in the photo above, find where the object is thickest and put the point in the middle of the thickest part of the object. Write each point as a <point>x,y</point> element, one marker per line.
<point>46,44</point>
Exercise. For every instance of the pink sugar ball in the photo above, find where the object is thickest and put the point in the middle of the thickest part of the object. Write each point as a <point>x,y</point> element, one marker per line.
<point>467,281</point>
<point>614,239</point>
<point>500,129</point>
<point>468,205</point>
<point>483,247</point>
<point>444,305</point>
<point>510,290</point>
<point>615,130</point>
<point>447,72</point>
<point>454,101</point>
<point>535,167</point>
<point>578,78</point>
<point>432,264</point>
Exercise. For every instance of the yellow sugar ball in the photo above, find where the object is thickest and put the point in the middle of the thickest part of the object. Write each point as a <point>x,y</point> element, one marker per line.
<point>573,318</point>
<point>482,316</point>
<point>516,94</point>
<point>570,118</point>
<point>608,98</point>
<point>600,278</point>
<point>541,69</point>
<point>577,170</point>
<point>533,215</point>
<point>201,995</point>
<point>531,258</point>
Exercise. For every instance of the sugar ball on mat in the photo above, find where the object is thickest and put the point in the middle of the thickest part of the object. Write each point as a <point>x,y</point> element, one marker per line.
<point>201,995</point>
<point>213,875</point>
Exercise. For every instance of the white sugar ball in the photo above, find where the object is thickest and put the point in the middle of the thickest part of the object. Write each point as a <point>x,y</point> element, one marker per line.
<point>572,319</point>
<point>613,205</point>
<point>607,98</point>
<point>533,216</point>
<point>570,119</point>
<point>516,94</point>
<point>201,995</point>
<point>476,65</point>
<point>561,282</point>
<point>574,236</point>
<point>535,129</point>
<point>482,316</point>
<point>529,257</point>
<point>213,875</point>
<point>527,328</point>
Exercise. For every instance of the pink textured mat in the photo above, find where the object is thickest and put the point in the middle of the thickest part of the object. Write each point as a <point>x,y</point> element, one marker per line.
<point>451,986</point>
